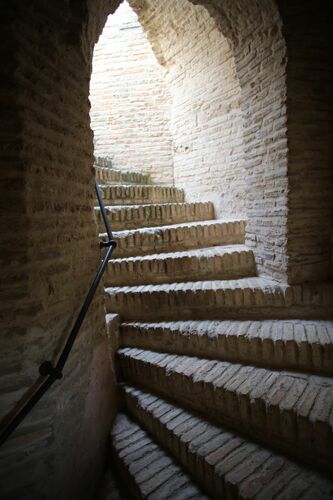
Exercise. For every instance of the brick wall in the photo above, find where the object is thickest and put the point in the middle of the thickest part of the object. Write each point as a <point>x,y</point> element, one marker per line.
<point>207,87</point>
<point>50,250</point>
<point>307,27</point>
<point>130,102</point>
<point>206,121</point>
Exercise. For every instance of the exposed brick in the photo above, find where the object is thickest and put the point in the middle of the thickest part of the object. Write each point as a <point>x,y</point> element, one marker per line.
<point>272,412</point>
<point>227,464</point>
<point>148,472</point>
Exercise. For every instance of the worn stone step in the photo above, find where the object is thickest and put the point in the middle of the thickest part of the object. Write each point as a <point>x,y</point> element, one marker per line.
<point>226,262</point>
<point>134,216</point>
<point>283,344</point>
<point>225,464</point>
<point>137,194</point>
<point>247,298</point>
<point>289,411</point>
<point>107,175</point>
<point>178,237</point>
<point>147,470</point>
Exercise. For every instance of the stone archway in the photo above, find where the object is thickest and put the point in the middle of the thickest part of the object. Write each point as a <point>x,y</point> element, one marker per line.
<point>47,194</point>
<point>225,66</point>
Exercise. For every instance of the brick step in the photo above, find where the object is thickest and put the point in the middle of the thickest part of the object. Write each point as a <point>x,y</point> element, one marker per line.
<point>247,298</point>
<point>146,470</point>
<point>225,464</point>
<point>137,194</point>
<point>134,216</point>
<point>284,344</point>
<point>288,411</point>
<point>206,263</point>
<point>106,175</point>
<point>178,237</point>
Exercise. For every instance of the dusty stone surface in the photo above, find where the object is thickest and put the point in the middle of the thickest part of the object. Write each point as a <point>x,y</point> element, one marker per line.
<point>225,464</point>
<point>288,411</point>
<point>246,298</point>
<point>134,216</point>
<point>223,262</point>
<point>186,236</point>
<point>285,344</point>
<point>146,469</point>
<point>140,194</point>
<point>231,371</point>
<point>105,173</point>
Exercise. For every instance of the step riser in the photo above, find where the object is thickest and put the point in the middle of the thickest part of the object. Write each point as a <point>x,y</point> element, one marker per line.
<point>106,175</point>
<point>151,215</point>
<point>161,478</point>
<point>205,303</point>
<point>203,475</point>
<point>135,195</point>
<point>179,238</point>
<point>254,409</point>
<point>198,446</point>
<point>231,341</point>
<point>170,270</point>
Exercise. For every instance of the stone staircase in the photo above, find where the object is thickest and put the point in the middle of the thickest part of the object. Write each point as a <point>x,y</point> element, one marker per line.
<point>225,378</point>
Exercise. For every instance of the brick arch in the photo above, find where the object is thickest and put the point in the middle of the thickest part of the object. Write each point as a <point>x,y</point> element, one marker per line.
<point>284,65</point>
<point>255,38</point>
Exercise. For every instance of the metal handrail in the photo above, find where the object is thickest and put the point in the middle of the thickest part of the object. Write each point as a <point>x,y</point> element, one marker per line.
<point>47,368</point>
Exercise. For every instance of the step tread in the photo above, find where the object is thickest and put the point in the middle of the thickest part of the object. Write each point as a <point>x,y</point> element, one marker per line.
<point>155,214</point>
<point>140,187</point>
<point>243,298</point>
<point>134,194</point>
<point>290,410</point>
<point>194,224</point>
<point>223,262</point>
<point>149,206</point>
<point>107,174</point>
<point>294,344</point>
<point>207,252</point>
<point>225,464</point>
<point>182,236</point>
<point>152,472</point>
<point>252,283</point>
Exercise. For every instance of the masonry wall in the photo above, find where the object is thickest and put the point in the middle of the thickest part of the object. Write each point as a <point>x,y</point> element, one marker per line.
<point>206,121</point>
<point>240,83</point>
<point>50,251</point>
<point>130,103</point>
<point>310,122</point>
